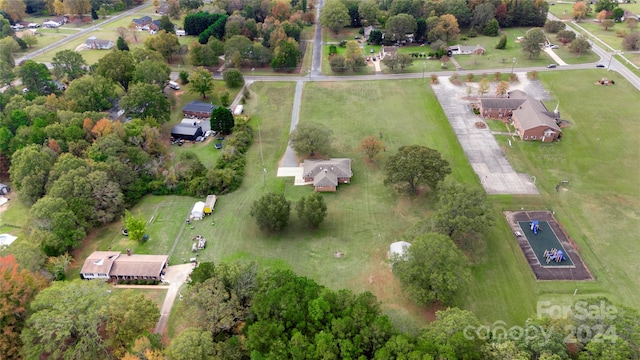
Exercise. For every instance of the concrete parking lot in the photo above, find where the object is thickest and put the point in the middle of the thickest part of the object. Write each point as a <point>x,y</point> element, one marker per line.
<point>481,148</point>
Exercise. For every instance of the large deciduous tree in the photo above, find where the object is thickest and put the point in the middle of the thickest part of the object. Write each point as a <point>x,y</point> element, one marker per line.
<point>448,336</point>
<point>531,42</point>
<point>233,78</point>
<point>271,212</point>
<point>152,72</point>
<point>68,65</point>
<point>399,26</point>
<point>462,210</point>
<point>29,172</point>
<point>415,165</point>
<point>129,315</point>
<point>163,42</point>
<point>77,7</point>
<point>334,16</point>
<point>90,93</point>
<point>17,289</point>
<point>14,8</point>
<point>222,120</point>
<point>201,82</point>
<point>310,138</point>
<point>434,269</point>
<point>191,344</point>
<point>146,100</point>
<point>580,10</point>
<point>368,11</point>
<point>579,46</point>
<point>285,55</point>
<point>8,46</point>
<point>36,77</point>
<point>60,227</point>
<point>117,66</point>
<point>312,210</point>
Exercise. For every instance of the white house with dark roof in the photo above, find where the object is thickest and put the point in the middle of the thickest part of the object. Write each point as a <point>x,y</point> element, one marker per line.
<point>98,44</point>
<point>325,175</point>
<point>466,50</point>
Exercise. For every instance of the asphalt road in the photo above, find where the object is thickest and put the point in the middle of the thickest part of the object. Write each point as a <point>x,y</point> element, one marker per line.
<point>316,61</point>
<point>81,33</point>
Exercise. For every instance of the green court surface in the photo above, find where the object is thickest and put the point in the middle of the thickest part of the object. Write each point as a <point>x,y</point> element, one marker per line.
<point>546,239</point>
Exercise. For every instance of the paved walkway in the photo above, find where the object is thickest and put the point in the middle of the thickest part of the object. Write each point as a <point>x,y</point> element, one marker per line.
<point>176,276</point>
<point>289,159</point>
<point>485,156</point>
<point>555,56</point>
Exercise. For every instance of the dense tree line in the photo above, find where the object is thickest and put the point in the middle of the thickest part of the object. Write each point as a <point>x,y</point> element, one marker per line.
<point>241,310</point>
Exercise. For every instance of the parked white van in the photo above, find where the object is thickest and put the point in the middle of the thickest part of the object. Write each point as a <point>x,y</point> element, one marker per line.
<point>174,85</point>
<point>181,32</point>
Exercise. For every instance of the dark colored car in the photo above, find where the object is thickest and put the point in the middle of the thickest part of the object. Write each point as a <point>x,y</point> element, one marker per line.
<point>600,65</point>
<point>551,66</point>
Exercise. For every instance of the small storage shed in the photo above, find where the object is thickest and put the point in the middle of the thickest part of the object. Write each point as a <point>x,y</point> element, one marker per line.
<point>197,212</point>
<point>209,204</point>
<point>398,250</point>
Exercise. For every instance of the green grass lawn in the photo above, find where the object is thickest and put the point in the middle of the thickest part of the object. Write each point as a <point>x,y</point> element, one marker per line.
<point>600,207</point>
<point>346,33</point>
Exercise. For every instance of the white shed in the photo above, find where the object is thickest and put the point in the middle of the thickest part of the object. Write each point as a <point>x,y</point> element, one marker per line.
<point>197,212</point>
<point>398,250</point>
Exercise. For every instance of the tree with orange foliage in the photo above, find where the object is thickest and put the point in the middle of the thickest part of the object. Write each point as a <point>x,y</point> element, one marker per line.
<point>102,128</point>
<point>281,11</point>
<point>371,146</point>
<point>53,145</point>
<point>87,124</point>
<point>580,10</point>
<point>602,15</point>
<point>143,349</point>
<point>17,289</point>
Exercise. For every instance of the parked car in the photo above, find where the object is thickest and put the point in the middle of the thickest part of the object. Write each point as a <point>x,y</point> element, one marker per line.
<point>554,46</point>
<point>34,25</point>
<point>551,66</point>
<point>600,65</point>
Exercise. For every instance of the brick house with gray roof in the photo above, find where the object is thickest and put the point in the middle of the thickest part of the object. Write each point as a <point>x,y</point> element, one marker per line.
<point>327,174</point>
<point>531,119</point>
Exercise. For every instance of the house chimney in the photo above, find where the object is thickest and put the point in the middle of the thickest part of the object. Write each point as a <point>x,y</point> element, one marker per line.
<point>128,252</point>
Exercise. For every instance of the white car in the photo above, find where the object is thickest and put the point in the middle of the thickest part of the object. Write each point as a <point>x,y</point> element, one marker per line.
<point>34,25</point>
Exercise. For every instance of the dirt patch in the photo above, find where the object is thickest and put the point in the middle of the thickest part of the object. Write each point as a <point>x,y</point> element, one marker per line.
<point>387,289</point>
<point>10,197</point>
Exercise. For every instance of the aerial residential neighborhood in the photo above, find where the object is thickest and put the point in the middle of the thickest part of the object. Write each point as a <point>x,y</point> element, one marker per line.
<point>319,179</point>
